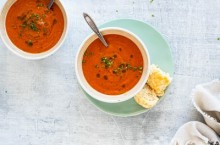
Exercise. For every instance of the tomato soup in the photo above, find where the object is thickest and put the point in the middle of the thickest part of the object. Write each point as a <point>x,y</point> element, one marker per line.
<point>113,70</point>
<point>32,27</point>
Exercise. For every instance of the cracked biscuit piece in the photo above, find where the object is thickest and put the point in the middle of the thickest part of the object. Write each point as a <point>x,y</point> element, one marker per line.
<point>147,98</point>
<point>158,80</point>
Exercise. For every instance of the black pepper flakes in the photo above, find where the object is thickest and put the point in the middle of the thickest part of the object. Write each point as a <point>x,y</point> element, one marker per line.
<point>98,75</point>
<point>105,77</point>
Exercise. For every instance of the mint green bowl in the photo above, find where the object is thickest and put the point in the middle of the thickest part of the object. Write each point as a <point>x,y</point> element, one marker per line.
<point>160,55</point>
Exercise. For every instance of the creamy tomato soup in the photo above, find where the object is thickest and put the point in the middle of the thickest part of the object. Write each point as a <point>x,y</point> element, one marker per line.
<point>32,27</point>
<point>113,70</point>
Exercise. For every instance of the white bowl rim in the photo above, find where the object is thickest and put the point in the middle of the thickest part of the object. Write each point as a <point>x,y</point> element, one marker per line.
<point>42,55</point>
<point>116,98</point>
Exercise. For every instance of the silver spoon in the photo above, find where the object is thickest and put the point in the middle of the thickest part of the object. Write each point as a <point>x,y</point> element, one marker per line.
<point>93,26</point>
<point>50,4</point>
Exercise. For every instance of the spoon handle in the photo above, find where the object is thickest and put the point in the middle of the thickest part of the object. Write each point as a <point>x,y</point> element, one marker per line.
<point>50,4</point>
<point>93,26</point>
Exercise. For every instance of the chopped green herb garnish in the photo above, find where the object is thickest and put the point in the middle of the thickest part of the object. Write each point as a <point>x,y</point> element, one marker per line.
<point>24,25</point>
<point>115,71</point>
<point>121,66</point>
<point>124,67</point>
<point>128,66</point>
<point>103,59</point>
<point>33,26</point>
<point>107,61</point>
<point>135,68</point>
<point>83,61</point>
<point>218,38</point>
<point>108,64</point>
<point>151,1</point>
<point>152,15</point>
<point>43,16</point>
<point>140,68</point>
<point>46,11</point>
<point>34,17</point>
<point>40,5</point>
<point>29,43</point>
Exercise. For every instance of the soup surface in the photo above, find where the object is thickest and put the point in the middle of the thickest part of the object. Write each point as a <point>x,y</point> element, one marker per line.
<point>32,27</point>
<point>113,70</point>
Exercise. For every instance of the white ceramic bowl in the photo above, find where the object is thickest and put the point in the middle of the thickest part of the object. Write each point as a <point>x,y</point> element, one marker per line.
<point>112,98</point>
<point>18,51</point>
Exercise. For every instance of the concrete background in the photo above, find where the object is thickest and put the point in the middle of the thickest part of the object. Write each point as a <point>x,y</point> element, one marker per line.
<point>41,102</point>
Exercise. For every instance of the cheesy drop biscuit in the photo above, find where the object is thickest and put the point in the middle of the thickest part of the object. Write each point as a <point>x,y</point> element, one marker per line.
<point>147,98</point>
<point>158,80</point>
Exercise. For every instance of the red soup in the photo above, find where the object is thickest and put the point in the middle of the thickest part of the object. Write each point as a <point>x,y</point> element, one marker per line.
<point>113,70</point>
<point>32,27</point>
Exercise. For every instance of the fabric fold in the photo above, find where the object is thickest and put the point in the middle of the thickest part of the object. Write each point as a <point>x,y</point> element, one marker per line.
<point>194,133</point>
<point>206,99</point>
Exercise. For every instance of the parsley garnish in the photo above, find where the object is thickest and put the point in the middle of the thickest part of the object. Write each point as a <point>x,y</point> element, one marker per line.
<point>29,43</point>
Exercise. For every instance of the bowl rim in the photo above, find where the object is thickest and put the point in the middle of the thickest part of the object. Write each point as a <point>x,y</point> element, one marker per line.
<point>117,99</point>
<point>34,56</point>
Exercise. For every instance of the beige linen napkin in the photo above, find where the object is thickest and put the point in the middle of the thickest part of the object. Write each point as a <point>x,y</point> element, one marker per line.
<point>206,99</point>
<point>194,133</point>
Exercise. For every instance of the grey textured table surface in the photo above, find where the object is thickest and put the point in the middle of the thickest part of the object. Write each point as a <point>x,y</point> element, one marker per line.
<point>41,102</point>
